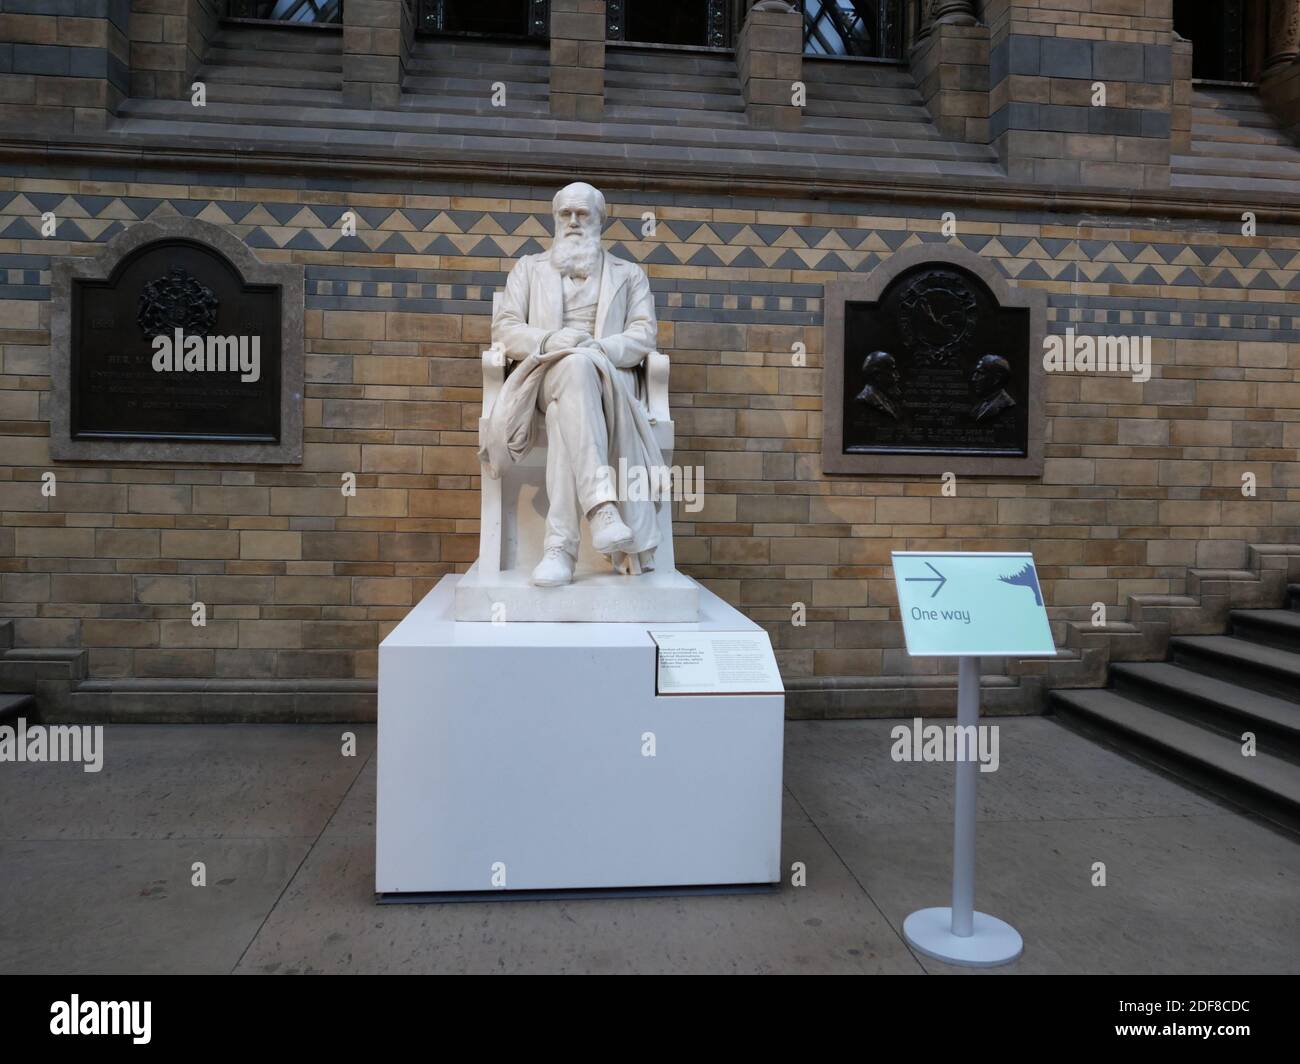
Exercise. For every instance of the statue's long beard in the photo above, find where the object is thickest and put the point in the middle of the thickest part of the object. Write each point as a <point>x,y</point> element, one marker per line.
<point>575,257</point>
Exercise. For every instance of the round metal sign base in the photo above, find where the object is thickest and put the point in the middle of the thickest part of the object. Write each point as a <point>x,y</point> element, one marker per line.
<point>993,942</point>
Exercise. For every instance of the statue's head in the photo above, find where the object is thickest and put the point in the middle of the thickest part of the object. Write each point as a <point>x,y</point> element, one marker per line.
<point>579,211</point>
<point>991,373</point>
<point>880,370</point>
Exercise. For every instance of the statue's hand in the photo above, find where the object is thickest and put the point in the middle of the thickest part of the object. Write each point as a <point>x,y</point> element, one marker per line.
<point>566,338</point>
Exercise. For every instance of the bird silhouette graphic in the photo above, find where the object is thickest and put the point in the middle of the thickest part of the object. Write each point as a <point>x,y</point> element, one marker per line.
<point>1025,577</point>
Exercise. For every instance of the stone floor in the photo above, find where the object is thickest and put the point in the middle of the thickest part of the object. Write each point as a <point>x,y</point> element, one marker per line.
<point>95,869</point>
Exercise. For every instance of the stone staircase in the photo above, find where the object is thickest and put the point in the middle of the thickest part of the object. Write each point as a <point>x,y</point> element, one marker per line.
<point>456,78</point>
<point>274,65</point>
<point>13,704</point>
<point>1236,144</point>
<point>664,110</point>
<point>1188,714</point>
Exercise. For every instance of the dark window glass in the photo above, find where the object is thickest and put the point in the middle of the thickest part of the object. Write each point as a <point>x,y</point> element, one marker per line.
<point>1218,33</point>
<point>667,22</point>
<point>495,18</point>
<point>318,11</point>
<point>852,27</point>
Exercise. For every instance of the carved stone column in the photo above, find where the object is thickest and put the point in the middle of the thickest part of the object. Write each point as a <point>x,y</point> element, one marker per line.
<point>952,13</point>
<point>1283,34</point>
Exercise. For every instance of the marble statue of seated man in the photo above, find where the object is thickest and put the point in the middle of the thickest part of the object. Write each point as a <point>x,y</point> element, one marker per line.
<point>578,322</point>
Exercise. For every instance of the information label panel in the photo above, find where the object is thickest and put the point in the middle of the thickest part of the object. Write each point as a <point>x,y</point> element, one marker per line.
<point>716,663</point>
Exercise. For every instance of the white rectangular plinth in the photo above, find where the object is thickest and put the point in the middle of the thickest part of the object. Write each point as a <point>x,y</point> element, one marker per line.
<point>521,750</point>
<point>657,595</point>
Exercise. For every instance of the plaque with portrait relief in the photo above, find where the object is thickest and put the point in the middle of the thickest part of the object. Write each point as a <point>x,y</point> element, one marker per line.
<point>933,365</point>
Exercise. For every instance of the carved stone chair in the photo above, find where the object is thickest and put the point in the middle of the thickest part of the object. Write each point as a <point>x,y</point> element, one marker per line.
<point>513,522</point>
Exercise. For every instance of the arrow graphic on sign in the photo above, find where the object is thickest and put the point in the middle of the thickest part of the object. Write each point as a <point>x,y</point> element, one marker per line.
<point>938,579</point>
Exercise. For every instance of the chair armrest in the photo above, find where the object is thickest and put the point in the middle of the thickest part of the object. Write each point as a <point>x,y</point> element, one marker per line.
<point>656,386</point>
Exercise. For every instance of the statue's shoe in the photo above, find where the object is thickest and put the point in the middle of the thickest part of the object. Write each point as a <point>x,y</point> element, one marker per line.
<point>555,569</point>
<point>608,532</point>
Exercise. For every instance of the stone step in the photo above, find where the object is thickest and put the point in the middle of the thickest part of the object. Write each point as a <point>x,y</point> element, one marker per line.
<point>670,64</point>
<point>648,115</point>
<point>866,96</point>
<point>1225,166</point>
<point>845,110</point>
<point>1227,707</point>
<point>238,92</point>
<point>518,104</point>
<point>670,98</point>
<point>13,706</point>
<point>274,77</point>
<point>1267,669</point>
<point>884,165</point>
<point>470,70</point>
<point>838,71</point>
<point>297,60</point>
<point>664,116</point>
<point>1271,628</point>
<point>1220,120</point>
<point>438,88</point>
<point>1224,97</point>
<point>643,81</point>
<point>1239,135</point>
<point>1233,116</point>
<point>901,129</point>
<point>719,81</point>
<point>1264,781</point>
<point>1237,184</point>
<point>542,145</point>
<point>278,39</point>
<point>467,48</point>
<point>1236,150</point>
<point>490,122</point>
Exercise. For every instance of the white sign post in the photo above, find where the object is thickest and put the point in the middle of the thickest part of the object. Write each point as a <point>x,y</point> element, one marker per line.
<point>967,604</point>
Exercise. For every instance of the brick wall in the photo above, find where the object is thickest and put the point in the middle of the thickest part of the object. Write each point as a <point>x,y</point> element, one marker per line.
<point>1142,481</point>
<point>1045,59</point>
<point>168,41</point>
<point>63,66</point>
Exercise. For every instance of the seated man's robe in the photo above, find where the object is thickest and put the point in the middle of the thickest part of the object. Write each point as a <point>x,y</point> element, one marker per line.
<point>592,397</point>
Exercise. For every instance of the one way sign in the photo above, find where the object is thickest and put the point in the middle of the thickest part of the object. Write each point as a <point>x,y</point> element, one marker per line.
<point>971,604</point>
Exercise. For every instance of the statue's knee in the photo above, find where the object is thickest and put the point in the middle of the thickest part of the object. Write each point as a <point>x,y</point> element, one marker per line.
<point>579,367</point>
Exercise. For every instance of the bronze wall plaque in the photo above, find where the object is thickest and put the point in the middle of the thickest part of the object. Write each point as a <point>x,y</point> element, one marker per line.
<point>935,366</point>
<point>175,288</point>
